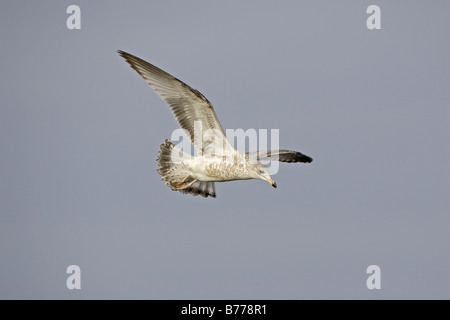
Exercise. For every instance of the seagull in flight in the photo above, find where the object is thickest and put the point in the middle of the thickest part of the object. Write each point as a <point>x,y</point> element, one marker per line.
<point>217,160</point>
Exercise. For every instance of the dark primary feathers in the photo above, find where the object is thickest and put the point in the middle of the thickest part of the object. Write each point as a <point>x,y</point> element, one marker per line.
<point>281,155</point>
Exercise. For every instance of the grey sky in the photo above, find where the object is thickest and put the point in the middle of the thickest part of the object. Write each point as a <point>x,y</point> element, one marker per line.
<point>79,133</point>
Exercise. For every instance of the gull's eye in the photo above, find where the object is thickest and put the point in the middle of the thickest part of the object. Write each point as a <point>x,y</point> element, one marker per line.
<point>261,171</point>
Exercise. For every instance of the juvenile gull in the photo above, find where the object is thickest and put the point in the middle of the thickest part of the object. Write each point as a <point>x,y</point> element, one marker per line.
<point>216,159</point>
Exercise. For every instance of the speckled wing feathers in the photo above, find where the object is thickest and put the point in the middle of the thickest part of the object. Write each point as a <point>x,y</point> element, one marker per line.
<point>187,104</point>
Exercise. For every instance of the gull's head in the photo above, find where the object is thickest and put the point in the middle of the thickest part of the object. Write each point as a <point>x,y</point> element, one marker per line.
<point>262,172</point>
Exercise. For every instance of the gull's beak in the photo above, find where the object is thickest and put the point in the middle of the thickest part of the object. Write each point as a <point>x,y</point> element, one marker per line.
<point>272,183</point>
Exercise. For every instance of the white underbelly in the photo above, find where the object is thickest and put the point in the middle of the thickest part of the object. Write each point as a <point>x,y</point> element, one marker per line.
<point>219,171</point>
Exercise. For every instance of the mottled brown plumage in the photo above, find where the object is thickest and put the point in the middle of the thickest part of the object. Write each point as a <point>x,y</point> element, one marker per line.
<point>217,160</point>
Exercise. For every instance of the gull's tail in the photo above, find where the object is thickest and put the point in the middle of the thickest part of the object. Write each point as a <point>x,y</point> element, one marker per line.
<point>175,172</point>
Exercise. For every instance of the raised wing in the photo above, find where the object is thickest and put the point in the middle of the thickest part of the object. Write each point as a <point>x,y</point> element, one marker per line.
<point>193,112</point>
<point>280,155</point>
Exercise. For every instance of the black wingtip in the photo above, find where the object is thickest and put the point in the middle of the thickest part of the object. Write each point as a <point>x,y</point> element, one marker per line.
<point>300,157</point>
<point>307,159</point>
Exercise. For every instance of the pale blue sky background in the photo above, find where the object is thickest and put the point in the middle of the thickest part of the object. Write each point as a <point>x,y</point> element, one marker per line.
<point>80,131</point>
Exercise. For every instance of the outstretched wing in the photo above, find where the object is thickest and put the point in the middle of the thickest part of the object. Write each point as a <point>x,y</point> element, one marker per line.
<point>280,155</point>
<point>193,112</point>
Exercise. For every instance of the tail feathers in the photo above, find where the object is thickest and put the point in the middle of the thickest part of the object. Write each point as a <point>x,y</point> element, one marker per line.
<point>174,172</point>
<point>202,188</point>
<point>169,156</point>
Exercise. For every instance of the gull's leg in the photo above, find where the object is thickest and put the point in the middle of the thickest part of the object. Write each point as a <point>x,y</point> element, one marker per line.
<point>181,184</point>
